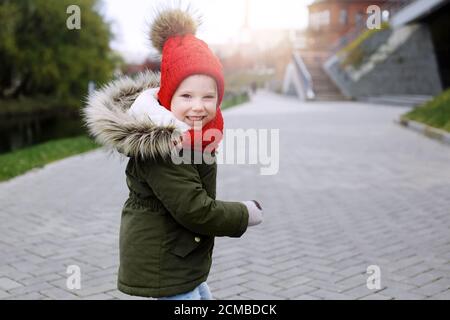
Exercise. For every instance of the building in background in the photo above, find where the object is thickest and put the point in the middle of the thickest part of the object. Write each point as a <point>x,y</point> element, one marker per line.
<point>335,24</point>
<point>331,20</point>
<point>406,63</point>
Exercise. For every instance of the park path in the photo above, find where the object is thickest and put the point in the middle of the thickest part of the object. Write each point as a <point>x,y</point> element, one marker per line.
<point>353,189</point>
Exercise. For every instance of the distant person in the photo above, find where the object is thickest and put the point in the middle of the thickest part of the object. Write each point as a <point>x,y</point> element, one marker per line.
<point>254,87</point>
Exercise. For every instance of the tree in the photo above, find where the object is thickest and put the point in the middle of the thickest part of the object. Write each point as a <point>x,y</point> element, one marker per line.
<point>40,55</point>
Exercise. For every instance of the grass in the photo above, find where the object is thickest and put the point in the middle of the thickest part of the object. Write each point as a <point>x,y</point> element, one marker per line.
<point>435,113</point>
<point>20,161</point>
<point>354,54</point>
<point>235,100</point>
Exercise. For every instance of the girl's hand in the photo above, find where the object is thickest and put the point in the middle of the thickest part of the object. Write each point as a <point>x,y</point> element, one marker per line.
<point>255,212</point>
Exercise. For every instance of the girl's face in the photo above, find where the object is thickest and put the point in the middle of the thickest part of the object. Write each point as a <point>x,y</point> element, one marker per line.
<point>194,102</point>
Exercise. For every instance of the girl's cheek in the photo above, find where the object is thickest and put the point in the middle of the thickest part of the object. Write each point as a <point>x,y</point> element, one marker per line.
<point>213,108</point>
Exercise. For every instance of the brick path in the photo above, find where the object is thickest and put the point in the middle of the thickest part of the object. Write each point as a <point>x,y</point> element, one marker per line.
<point>353,189</point>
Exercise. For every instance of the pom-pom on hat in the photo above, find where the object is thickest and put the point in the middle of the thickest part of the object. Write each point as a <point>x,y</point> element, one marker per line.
<point>183,54</point>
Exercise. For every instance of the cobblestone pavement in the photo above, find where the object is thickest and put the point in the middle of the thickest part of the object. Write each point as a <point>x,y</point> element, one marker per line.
<point>353,189</point>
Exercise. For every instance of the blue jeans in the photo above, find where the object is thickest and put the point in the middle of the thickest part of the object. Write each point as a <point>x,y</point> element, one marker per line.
<point>201,292</point>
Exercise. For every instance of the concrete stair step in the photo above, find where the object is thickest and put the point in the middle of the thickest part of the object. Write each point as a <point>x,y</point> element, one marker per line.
<point>313,62</point>
<point>326,89</point>
<point>330,97</point>
<point>314,67</point>
<point>321,77</point>
<point>318,74</point>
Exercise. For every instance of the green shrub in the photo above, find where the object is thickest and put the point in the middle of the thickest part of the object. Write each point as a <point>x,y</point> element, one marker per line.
<point>20,161</point>
<point>435,113</point>
<point>235,99</point>
<point>353,54</point>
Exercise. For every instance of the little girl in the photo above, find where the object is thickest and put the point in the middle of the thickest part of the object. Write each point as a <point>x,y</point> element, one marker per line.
<point>171,216</point>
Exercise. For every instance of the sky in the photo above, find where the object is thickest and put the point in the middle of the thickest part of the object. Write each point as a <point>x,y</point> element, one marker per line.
<point>131,20</point>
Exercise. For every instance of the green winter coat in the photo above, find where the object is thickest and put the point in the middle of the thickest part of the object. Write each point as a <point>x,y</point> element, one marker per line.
<point>171,216</point>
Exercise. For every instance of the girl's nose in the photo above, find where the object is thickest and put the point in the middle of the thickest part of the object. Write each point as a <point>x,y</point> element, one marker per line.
<point>197,107</point>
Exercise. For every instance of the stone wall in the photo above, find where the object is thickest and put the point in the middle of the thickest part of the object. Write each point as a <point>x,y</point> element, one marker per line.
<point>396,62</point>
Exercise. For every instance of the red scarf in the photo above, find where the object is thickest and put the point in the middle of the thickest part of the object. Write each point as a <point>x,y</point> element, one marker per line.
<point>198,135</point>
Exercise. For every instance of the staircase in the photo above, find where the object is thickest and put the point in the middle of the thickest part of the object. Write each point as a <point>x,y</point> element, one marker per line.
<point>324,88</point>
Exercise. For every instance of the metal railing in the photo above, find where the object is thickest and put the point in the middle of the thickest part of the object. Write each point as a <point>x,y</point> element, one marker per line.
<point>304,77</point>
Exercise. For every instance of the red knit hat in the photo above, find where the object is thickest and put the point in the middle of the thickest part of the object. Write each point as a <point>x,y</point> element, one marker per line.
<point>183,55</point>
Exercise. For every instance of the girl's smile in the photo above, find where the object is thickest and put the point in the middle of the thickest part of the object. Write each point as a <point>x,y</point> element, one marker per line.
<point>195,118</point>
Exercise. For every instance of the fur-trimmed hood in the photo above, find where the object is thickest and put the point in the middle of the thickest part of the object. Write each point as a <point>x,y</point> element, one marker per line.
<point>125,115</point>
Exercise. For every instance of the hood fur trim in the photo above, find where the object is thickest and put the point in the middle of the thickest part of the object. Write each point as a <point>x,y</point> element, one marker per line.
<point>106,117</point>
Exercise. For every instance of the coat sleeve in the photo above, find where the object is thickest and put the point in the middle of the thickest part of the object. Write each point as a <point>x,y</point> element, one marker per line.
<point>180,189</point>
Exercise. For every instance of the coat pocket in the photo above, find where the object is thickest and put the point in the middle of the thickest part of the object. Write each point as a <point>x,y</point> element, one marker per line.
<point>185,242</point>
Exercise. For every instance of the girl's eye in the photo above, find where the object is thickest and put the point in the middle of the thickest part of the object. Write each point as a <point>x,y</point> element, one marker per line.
<point>209,97</point>
<point>186,95</point>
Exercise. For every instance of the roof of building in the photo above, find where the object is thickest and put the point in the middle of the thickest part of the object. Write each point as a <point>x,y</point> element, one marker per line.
<point>416,11</point>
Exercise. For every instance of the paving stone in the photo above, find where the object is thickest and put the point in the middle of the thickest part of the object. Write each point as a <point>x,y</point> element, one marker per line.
<point>327,295</point>
<point>29,289</point>
<point>27,296</point>
<point>359,292</point>
<point>376,296</point>
<point>433,288</point>
<point>399,294</point>
<point>293,281</point>
<point>258,295</point>
<point>122,296</point>
<point>229,292</point>
<point>293,292</point>
<point>328,285</point>
<point>441,296</point>
<point>306,297</point>
<point>4,294</point>
<point>288,274</point>
<point>423,279</point>
<point>8,284</point>
<point>100,296</point>
<point>257,277</point>
<point>59,294</point>
<point>103,288</point>
<point>34,280</point>
<point>224,283</point>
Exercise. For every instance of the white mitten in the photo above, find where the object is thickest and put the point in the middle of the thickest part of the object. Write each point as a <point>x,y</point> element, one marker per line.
<point>255,212</point>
